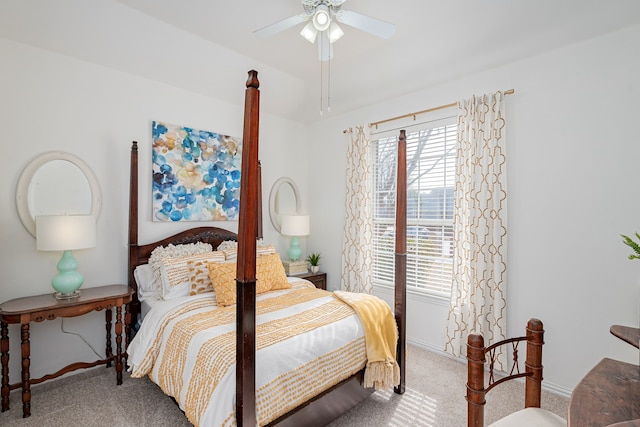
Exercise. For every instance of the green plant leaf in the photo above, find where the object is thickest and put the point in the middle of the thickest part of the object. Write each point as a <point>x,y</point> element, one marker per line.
<point>314,258</point>
<point>633,245</point>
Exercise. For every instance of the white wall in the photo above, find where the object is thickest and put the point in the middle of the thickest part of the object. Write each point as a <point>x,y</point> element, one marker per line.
<point>573,152</point>
<point>53,102</point>
<point>572,186</point>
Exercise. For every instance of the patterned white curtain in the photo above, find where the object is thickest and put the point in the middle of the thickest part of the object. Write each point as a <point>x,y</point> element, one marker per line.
<point>356,246</point>
<point>478,297</point>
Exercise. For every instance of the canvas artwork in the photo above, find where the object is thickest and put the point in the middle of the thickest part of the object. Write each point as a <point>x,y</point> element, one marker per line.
<point>196,174</point>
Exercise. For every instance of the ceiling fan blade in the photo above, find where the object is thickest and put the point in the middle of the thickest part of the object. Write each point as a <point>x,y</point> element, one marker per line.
<point>279,26</point>
<point>325,49</point>
<point>371,25</point>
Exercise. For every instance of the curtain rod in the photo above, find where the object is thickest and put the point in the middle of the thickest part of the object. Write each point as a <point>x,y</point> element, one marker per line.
<point>404,116</point>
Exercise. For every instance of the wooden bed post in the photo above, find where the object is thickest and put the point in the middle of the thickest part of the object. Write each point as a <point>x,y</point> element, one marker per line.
<point>133,231</point>
<point>475,380</point>
<point>400,297</point>
<point>260,232</point>
<point>533,363</point>
<point>246,263</point>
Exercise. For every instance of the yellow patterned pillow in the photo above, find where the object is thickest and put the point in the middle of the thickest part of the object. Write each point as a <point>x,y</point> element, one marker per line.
<point>223,279</point>
<point>270,275</point>
<point>179,275</point>
<point>270,272</point>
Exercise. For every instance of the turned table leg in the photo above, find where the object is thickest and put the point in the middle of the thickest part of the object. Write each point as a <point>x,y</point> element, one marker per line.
<point>127,329</point>
<point>119,345</point>
<point>26,362</point>
<point>4,351</point>
<point>109,350</point>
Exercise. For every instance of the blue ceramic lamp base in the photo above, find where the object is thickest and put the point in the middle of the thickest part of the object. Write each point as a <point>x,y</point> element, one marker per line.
<point>67,283</point>
<point>294,251</point>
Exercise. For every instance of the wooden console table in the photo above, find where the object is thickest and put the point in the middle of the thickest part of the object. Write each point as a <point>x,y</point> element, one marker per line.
<point>609,395</point>
<point>46,307</point>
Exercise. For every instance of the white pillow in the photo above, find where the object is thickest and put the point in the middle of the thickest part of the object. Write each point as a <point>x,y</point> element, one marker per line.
<point>172,251</point>
<point>143,274</point>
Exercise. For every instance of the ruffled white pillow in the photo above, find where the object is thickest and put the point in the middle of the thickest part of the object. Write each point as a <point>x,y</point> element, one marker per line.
<point>227,244</point>
<point>233,244</point>
<point>172,251</point>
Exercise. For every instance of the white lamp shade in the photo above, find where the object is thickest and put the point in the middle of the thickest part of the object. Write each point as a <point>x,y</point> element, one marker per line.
<point>65,232</point>
<point>295,225</point>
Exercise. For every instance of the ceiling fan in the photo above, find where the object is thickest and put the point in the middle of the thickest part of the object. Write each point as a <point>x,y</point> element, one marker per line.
<point>323,17</point>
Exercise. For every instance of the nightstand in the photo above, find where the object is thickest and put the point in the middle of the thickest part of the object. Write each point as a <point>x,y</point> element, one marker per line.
<point>318,279</point>
<point>46,307</point>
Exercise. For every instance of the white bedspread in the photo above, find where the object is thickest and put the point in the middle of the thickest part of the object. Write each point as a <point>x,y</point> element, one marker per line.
<point>307,341</point>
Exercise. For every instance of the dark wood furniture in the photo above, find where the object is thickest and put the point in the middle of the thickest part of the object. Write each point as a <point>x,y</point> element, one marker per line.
<point>477,357</point>
<point>632,423</point>
<point>319,280</point>
<point>610,392</point>
<point>400,257</point>
<point>38,308</point>
<point>627,334</point>
<point>321,409</point>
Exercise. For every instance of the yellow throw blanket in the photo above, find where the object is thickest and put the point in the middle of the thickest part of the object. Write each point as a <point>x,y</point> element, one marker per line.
<point>381,337</point>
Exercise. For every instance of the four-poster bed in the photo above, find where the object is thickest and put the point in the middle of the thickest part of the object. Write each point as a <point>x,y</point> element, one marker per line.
<point>328,403</point>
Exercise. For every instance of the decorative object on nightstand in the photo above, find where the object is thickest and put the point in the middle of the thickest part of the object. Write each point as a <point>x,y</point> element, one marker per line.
<point>294,268</point>
<point>294,226</point>
<point>314,261</point>
<point>66,233</point>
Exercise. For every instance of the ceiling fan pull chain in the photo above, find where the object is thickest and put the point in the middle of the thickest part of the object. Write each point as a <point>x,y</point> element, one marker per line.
<point>329,86</point>
<point>320,84</point>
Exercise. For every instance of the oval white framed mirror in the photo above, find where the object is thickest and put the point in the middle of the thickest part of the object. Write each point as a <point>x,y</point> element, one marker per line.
<point>283,200</point>
<point>56,183</point>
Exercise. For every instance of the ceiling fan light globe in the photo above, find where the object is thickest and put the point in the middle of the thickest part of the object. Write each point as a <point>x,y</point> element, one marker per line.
<point>309,32</point>
<point>335,32</point>
<point>321,19</point>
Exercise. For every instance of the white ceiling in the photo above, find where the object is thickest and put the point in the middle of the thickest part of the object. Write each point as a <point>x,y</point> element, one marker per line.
<point>435,40</point>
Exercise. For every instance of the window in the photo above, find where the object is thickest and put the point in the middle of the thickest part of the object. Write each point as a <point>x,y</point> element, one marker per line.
<point>430,184</point>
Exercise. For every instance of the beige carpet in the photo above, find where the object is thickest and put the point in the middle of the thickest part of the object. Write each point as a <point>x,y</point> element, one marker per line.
<point>434,397</point>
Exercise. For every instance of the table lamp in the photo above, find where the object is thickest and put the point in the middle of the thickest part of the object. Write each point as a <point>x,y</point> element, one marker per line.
<point>294,226</point>
<point>66,233</point>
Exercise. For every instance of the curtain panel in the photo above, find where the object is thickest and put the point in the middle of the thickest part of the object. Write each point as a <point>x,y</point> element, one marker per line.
<point>478,297</point>
<point>358,227</point>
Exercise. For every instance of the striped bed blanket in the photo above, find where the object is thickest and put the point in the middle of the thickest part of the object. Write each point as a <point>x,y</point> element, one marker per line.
<point>306,342</point>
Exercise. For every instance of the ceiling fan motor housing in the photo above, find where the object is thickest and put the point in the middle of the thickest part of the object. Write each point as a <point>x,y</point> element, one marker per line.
<point>323,15</point>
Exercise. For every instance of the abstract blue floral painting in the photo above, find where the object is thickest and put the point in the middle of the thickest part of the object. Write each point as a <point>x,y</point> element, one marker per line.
<point>196,174</point>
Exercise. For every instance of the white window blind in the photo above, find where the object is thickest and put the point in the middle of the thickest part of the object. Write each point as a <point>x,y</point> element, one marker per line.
<point>430,185</point>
